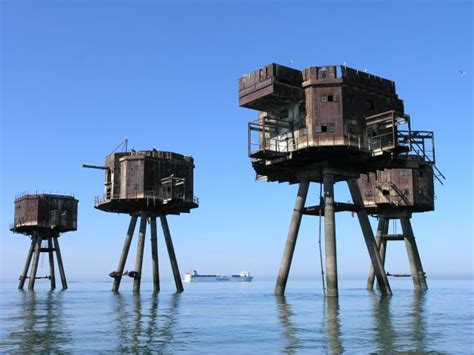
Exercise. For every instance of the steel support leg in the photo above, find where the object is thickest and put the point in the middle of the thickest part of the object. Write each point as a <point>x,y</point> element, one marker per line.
<point>29,256</point>
<point>34,266</point>
<point>52,275</point>
<point>291,238</point>
<point>378,241</point>
<point>172,256</point>
<point>140,249</point>
<point>417,273</point>
<point>369,238</point>
<point>60,262</point>
<point>330,236</point>
<point>154,255</point>
<point>124,255</point>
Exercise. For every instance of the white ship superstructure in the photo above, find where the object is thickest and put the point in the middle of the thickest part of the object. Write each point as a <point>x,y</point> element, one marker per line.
<point>195,277</point>
<point>244,276</point>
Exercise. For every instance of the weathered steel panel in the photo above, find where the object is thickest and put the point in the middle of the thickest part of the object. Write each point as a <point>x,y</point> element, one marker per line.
<point>45,211</point>
<point>148,181</point>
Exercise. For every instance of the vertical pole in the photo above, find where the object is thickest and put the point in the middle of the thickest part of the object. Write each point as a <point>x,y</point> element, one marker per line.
<point>330,236</point>
<point>52,275</point>
<point>172,256</point>
<point>34,266</point>
<point>378,242</point>
<point>154,255</point>
<point>379,269</point>
<point>124,255</point>
<point>291,238</point>
<point>24,274</point>
<point>60,262</point>
<point>140,249</point>
<point>417,273</point>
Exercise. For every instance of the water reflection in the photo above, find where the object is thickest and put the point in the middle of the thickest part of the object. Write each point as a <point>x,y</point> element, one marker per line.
<point>42,328</point>
<point>411,334</point>
<point>418,321</point>
<point>385,335</point>
<point>289,331</point>
<point>333,326</point>
<point>147,324</point>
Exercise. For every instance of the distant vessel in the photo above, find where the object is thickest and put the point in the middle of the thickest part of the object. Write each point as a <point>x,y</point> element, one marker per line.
<point>244,276</point>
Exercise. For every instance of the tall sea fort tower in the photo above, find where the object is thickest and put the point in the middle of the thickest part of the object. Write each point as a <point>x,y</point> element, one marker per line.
<point>325,125</point>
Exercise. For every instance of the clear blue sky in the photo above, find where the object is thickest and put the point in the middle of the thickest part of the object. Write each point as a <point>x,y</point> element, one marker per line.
<point>79,76</point>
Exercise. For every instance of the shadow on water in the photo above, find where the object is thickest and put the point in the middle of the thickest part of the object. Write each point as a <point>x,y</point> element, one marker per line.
<point>290,333</point>
<point>41,323</point>
<point>412,335</point>
<point>146,325</point>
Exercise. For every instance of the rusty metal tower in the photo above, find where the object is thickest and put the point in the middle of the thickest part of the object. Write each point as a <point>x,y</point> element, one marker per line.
<point>43,217</point>
<point>147,184</point>
<point>395,194</point>
<point>325,124</point>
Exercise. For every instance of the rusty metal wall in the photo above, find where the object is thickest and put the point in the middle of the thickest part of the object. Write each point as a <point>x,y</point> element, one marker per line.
<point>46,211</point>
<point>138,175</point>
<point>408,189</point>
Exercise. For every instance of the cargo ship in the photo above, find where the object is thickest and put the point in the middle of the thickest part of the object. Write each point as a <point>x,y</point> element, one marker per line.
<point>244,276</point>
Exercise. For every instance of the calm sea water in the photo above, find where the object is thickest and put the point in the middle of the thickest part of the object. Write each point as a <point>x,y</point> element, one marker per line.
<point>238,318</point>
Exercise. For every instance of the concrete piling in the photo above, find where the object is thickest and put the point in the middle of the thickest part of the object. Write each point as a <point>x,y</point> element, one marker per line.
<point>62,273</point>
<point>330,236</point>
<point>369,238</point>
<point>26,267</point>
<point>140,250</point>
<point>291,238</point>
<point>124,255</point>
<point>154,255</point>
<point>34,266</point>
<point>418,275</point>
<point>52,276</point>
<point>382,226</point>
<point>171,253</point>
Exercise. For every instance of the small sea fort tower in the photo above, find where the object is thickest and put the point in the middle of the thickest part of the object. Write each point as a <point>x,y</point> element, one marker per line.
<point>147,184</point>
<point>44,217</point>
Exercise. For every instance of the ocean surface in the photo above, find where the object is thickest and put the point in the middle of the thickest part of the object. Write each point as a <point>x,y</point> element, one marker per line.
<point>238,318</point>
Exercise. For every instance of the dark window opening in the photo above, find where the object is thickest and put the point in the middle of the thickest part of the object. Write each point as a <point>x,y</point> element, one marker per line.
<point>330,98</point>
<point>370,105</point>
<point>302,108</point>
<point>324,128</point>
<point>385,192</point>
